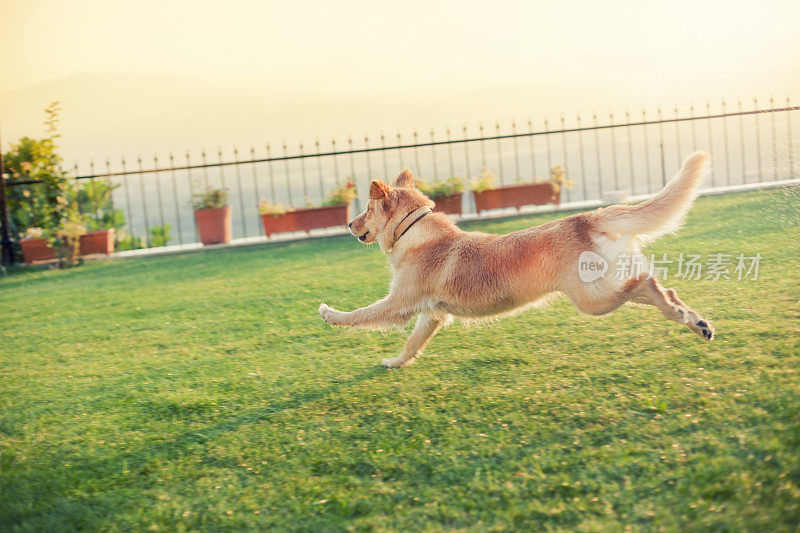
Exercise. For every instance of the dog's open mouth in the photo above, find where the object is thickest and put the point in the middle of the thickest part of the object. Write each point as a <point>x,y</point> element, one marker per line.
<point>363,238</point>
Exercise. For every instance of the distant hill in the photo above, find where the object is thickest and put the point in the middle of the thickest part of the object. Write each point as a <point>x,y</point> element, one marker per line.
<point>125,114</point>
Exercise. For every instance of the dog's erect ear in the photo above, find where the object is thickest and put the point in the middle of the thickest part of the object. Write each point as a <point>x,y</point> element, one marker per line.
<point>378,190</point>
<point>404,179</point>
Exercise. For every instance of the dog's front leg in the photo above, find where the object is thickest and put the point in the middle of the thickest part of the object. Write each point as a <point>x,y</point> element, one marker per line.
<point>385,313</point>
<point>424,330</point>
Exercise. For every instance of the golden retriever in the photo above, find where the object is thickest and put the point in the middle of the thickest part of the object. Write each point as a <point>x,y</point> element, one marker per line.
<point>440,271</point>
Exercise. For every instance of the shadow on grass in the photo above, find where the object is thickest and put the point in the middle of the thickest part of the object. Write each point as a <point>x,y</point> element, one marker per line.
<point>89,493</point>
<point>254,415</point>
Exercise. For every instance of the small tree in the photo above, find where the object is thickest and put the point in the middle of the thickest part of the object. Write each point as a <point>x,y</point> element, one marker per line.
<point>38,205</point>
<point>66,240</point>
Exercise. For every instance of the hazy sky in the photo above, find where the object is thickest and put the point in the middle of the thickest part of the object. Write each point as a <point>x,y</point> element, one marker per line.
<point>159,75</point>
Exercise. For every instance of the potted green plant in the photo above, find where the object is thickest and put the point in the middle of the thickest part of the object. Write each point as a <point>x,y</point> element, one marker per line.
<point>335,210</point>
<point>489,196</point>
<point>446,194</point>
<point>212,215</point>
<point>99,241</point>
<point>277,218</point>
<point>104,221</point>
<point>35,247</point>
<point>62,242</point>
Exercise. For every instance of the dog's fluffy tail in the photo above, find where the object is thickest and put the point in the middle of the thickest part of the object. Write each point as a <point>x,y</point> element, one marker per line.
<point>664,212</point>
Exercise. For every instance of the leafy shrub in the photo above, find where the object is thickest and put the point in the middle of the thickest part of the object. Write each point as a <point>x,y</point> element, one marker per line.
<point>211,198</point>
<point>341,195</point>
<point>66,240</point>
<point>48,209</point>
<point>159,235</point>
<point>126,241</point>
<point>440,188</point>
<point>38,205</point>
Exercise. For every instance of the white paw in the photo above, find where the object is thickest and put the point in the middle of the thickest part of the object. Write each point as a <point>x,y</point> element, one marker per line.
<point>397,362</point>
<point>698,324</point>
<point>326,312</point>
<point>703,328</point>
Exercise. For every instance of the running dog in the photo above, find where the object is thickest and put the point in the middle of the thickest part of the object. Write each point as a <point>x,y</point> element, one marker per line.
<point>440,271</point>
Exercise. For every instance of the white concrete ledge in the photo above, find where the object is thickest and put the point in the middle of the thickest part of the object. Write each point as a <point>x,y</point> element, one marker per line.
<point>490,215</point>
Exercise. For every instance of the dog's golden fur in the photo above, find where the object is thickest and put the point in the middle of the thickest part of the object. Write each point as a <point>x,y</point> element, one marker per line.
<point>440,271</point>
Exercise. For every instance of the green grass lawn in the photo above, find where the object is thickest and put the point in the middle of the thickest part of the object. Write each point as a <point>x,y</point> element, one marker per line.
<point>202,391</point>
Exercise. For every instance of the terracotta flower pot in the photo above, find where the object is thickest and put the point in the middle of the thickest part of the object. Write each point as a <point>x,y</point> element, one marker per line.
<point>450,205</point>
<point>214,225</point>
<point>36,249</point>
<point>97,242</point>
<point>306,219</point>
<point>516,196</point>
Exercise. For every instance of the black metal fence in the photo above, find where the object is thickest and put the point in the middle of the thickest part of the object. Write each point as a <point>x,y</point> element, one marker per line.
<point>632,153</point>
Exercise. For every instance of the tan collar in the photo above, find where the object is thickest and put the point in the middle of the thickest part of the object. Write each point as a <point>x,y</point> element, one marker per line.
<point>409,220</point>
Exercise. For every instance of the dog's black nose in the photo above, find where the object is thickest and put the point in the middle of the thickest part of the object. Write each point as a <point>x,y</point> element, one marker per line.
<point>350,225</point>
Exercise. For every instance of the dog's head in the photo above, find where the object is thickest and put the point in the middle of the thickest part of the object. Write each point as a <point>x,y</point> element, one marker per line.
<point>386,208</point>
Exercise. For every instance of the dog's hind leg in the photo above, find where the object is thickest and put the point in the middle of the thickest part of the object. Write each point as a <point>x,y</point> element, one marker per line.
<point>642,289</point>
<point>650,291</point>
<point>424,330</point>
